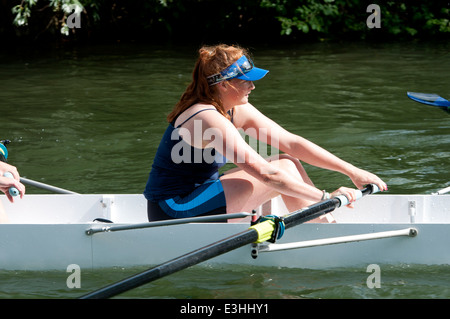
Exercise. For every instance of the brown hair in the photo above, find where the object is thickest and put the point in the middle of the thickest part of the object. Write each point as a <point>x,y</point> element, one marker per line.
<point>211,60</point>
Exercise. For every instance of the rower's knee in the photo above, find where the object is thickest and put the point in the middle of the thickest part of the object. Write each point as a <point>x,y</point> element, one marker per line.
<point>289,163</point>
<point>293,166</point>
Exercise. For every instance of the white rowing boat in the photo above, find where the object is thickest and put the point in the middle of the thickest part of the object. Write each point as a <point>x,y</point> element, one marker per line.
<point>51,232</point>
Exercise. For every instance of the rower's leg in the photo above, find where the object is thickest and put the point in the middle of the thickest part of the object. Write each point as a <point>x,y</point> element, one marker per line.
<point>244,192</point>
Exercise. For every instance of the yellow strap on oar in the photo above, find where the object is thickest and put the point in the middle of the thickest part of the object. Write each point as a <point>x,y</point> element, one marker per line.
<point>264,230</point>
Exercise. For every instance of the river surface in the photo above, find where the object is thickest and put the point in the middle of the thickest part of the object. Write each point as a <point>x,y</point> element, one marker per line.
<point>89,119</point>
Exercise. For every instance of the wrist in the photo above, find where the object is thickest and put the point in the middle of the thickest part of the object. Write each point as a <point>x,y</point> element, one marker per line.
<point>351,171</point>
<point>325,195</point>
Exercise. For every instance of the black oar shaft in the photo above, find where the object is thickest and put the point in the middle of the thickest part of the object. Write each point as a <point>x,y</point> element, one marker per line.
<point>310,212</point>
<point>251,235</point>
<point>205,253</point>
<point>193,258</point>
<point>321,208</point>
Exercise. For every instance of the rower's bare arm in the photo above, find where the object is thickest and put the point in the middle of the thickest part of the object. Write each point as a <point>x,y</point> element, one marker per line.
<point>229,142</point>
<point>249,117</point>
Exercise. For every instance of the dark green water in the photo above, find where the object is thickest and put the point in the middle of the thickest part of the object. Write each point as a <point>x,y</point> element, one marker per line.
<point>90,120</point>
<point>200,282</point>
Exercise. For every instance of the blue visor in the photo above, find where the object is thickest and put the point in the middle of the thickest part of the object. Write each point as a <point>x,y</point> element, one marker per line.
<point>241,69</point>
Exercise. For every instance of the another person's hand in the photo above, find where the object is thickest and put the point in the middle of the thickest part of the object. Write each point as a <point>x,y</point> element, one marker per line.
<point>7,182</point>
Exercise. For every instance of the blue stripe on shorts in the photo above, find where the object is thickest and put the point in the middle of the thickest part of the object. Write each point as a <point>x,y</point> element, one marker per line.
<point>205,198</point>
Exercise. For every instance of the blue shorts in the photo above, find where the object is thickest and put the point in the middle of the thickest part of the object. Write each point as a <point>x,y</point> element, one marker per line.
<point>206,199</point>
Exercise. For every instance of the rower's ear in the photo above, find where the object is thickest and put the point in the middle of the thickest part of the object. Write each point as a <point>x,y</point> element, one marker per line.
<point>227,85</point>
<point>222,86</point>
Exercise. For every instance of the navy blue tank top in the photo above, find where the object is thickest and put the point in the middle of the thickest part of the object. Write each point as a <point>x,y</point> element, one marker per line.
<point>178,168</point>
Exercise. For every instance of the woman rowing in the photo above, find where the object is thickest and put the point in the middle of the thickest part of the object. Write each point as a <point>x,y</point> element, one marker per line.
<point>203,130</point>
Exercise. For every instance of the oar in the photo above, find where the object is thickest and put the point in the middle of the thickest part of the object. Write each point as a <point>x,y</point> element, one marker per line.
<point>429,99</point>
<point>257,233</point>
<point>170,222</point>
<point>46,186</point>
<point>442,191</point>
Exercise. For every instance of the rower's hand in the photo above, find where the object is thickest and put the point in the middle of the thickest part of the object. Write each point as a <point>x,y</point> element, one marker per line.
<point>350,193</point>
<point>361,178</point>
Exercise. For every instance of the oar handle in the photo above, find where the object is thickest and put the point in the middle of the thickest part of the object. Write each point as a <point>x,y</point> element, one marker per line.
<point>321,208</point>
<point>370,189</point>
<point>12,190</point>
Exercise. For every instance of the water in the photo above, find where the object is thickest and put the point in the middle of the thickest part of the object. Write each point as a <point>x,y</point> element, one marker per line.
<point>90,119</point>
<point>202,282</point>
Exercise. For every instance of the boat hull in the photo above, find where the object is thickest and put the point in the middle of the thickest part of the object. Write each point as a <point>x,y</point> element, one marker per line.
<point>32,242</point>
